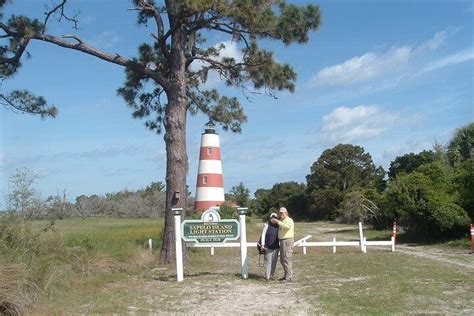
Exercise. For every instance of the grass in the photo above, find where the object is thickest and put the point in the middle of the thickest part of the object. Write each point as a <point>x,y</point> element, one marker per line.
<point>382,282</point>
<point>71,260</point>
<point>102,266</point>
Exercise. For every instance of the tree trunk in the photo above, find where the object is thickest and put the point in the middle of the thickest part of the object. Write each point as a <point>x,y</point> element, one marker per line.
<point>175,140</point>
<point>176,170</point>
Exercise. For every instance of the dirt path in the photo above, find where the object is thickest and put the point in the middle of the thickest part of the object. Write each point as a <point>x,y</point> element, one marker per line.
<point>224,297</point>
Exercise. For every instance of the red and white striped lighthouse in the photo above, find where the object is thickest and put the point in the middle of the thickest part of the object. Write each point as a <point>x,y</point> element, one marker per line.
<point>210,181</point>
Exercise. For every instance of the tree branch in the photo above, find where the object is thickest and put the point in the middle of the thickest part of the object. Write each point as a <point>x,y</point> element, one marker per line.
<point>16,58</point>
<point>74,37</point>
<point>115,59</point>
<point>62,15</point>
<point>160,32</point>
<point>8,31</point>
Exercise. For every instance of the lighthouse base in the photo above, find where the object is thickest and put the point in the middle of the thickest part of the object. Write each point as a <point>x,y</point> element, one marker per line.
<point>200,206</point>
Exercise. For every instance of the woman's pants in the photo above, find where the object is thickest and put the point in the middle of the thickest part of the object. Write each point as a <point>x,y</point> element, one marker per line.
<point>271,258</point>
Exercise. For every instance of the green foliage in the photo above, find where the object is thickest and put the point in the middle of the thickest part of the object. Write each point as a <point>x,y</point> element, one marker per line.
<point>155,186</point>
<point>24,101</point>
<point>221,109</point>
<point>24,28</point>
<point>464,181</point>
<point>227,211</point>
<point>240,194</point>
<point>409,162</point>
<point>10,63</point>
<point>357,207</point>
<point>337,171</point>
<point>288,194</point>
<point>460,147</point>
<point>422,205</point>
<point>324,202</point>
<point>246,23</point>
<point>451,220</point>
<point>341,167</point>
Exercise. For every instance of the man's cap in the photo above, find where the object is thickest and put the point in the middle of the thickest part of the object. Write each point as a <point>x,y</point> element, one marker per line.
<point>274,215</point>
<point>283,210</point>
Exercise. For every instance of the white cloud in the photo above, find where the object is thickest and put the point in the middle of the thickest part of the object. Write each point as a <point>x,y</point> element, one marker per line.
<point>363,68</point>
<point>91,154</point>
<point>348,125</point>
<point>230,50</point>
<point>434,43</point>
<point>456,58</point>
<point>385,68</point>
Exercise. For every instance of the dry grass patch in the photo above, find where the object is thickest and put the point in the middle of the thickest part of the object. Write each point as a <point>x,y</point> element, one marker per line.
<point>13,299</point>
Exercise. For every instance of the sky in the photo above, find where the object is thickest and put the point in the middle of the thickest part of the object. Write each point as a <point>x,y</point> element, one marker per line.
<point>391,76</point>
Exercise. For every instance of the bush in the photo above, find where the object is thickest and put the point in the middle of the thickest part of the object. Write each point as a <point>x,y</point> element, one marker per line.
<point>451,220</point>
<point>226,211</point>
<point>425,207</point>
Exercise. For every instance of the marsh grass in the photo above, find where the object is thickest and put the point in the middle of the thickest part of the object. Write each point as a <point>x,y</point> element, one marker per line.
<point>43,262</point>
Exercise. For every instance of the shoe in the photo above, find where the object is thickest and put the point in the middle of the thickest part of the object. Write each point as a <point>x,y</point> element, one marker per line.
<point>267,279</point>
<point>281,279</point>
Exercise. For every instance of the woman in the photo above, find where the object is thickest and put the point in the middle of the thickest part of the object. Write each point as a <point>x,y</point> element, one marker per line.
<point>270,244</point>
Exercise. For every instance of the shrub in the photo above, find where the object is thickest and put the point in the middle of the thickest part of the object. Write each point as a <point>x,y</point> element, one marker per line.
<point>451,220</point>
<point>424,207</point>
<point>227,211</point>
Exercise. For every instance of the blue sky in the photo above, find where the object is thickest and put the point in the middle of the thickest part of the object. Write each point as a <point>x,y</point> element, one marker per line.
<point>392,76</point>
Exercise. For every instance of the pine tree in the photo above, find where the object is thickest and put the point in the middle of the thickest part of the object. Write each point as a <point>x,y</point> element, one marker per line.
<point>168,64</point>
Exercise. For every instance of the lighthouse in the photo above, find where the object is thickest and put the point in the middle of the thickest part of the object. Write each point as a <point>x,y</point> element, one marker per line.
<point>210,181</point>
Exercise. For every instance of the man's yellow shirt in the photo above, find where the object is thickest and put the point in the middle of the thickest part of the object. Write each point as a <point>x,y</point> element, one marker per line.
<point>286,228</point>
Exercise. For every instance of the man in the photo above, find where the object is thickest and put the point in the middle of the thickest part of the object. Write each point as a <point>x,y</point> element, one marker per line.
<point>286,231</point>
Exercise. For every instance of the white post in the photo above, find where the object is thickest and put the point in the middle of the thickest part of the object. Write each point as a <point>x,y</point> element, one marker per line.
<point>243,243</point>
<point>393,244</point>
<point>361,238</point>
<point>212,251</point>
<point>334,247</point>
<point>304,247</point>
<point>178,243</point>
<point>150,246</point>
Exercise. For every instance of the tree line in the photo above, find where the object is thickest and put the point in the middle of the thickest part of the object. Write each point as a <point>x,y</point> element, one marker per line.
<point>25,201</point>
<point>429,193</point>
